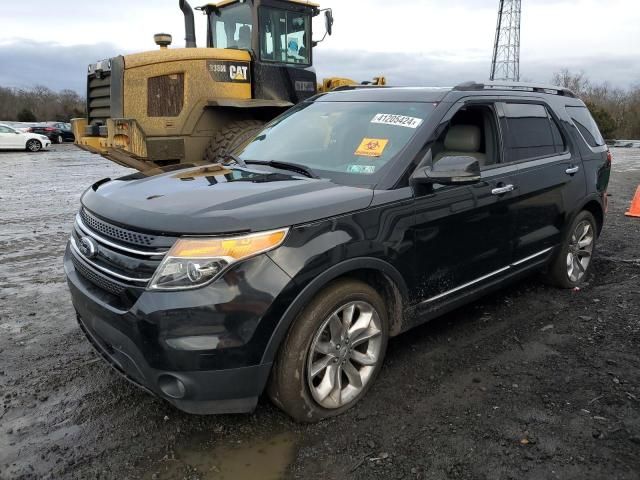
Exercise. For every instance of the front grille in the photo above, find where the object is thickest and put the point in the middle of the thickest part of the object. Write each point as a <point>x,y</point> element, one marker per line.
<point>105,84</point>
<point>99,280</point>
<point>99,98</point>
<point>117,233</point>
<point>119,261</point>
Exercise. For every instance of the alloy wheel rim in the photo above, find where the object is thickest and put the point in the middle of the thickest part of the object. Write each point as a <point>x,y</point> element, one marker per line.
<point>33,146</point>
<point>344,354</point>
<point>580,251</point>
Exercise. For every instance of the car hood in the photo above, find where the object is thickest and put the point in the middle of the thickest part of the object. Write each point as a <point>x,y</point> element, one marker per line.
<point>210,200</point>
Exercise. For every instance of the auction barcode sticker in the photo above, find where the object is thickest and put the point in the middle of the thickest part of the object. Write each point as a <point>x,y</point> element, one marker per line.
<point>398,120</point>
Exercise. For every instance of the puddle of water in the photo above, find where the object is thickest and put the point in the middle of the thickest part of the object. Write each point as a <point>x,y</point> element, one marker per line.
<point>264,460</point>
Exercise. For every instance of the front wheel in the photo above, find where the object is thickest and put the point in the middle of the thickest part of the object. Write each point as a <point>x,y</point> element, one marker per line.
<point>332,354</point>
<point>573,262</point>
<point>34,145</point>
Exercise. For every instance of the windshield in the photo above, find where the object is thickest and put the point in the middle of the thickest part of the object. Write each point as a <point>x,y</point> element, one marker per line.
<point>351,143</point>
<point>230,27</point>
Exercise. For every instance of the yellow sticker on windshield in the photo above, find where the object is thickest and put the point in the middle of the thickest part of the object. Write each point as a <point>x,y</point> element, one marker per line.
<point>372,147</point>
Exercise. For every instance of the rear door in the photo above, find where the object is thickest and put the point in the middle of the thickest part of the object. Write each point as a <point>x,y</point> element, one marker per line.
<point>549,174</point>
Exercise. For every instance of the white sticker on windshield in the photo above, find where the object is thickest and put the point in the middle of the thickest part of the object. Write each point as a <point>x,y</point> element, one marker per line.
<point>362,169</point>
<point>398,120</point>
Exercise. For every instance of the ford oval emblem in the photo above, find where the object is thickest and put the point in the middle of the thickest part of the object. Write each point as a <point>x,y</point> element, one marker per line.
<point>88,247</point>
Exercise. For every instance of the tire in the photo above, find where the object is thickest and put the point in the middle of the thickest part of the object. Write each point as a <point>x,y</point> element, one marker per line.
<point>234,135</point>
<point>571,266</point>
<point>33,145</point>
<point>294,388</point>
<point>59,139</point>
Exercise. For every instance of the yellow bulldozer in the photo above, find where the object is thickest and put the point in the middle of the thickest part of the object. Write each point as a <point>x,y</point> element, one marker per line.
<point>195,105</point>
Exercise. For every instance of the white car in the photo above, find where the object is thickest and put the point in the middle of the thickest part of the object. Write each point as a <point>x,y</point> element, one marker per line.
<point>12,139</point>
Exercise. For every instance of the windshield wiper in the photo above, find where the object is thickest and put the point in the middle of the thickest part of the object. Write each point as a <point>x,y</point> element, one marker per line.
<point>294,167</point>
<point>230,156</point>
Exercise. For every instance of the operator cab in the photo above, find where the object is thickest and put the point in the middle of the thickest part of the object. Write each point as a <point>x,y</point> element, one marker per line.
<point>283,34</point>
<point>278,34</point>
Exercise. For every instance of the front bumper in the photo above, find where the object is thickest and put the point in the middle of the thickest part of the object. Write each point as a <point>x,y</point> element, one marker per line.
<point>200,350</point>
<point>123,141</point>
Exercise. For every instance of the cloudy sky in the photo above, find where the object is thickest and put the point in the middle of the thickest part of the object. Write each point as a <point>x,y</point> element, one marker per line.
<point>412,42</point>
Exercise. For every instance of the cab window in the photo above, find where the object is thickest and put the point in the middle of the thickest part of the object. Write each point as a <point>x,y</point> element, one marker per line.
<point>231,27</point>
<point>285,36</point>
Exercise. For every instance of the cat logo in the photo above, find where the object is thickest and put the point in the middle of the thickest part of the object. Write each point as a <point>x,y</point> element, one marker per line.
<point>238,72</point>
<point>229,72</point>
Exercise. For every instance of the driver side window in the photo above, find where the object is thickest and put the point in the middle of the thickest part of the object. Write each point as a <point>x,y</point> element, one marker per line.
<point>472,132</point>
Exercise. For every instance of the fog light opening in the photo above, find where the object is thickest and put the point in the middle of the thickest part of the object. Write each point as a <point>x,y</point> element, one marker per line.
<point>171,386</point>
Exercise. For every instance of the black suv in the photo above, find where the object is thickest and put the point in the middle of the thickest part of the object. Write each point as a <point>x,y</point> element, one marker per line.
<point>350,219</point>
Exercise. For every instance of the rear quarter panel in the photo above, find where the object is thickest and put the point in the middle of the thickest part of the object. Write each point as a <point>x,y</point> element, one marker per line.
<point>595,163</point>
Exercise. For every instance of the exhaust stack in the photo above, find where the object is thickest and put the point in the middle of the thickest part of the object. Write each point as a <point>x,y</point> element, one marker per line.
<point>189,24</point>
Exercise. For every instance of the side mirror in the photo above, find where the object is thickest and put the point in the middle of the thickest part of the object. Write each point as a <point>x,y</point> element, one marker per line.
<point>328,18</point>
<point>454,170</point>
<point>328,25</point>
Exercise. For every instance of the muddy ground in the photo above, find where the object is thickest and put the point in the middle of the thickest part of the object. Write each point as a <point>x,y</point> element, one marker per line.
<point>529,383</point>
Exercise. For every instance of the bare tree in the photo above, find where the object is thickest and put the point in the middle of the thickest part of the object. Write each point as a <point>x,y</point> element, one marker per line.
<point>44,103</point>
<point>608,104</point>
<point>576,82</point>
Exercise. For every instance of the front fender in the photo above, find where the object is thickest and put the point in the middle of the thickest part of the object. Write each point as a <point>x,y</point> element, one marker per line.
<point>374,244</point>
<point>307,293</point>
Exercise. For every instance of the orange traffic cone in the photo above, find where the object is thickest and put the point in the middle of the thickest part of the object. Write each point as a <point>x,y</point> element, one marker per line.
<point>634,211</point>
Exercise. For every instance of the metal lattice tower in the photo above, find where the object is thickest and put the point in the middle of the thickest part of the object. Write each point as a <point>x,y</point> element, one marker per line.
<point>506,52</point>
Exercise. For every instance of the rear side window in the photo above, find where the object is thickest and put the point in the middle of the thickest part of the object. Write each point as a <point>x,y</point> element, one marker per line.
<point>532,133</point>
<point>587,125</point>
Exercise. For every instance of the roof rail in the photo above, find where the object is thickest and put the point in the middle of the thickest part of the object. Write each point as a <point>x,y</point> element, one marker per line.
<point>515,86</point>
<point>358,87</point>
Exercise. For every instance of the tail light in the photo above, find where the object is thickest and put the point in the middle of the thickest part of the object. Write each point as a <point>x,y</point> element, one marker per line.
<point>609,158</point>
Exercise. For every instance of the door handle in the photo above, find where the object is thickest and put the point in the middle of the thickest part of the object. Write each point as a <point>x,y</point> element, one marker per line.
<point>503,190</point>
<point>572,170</point>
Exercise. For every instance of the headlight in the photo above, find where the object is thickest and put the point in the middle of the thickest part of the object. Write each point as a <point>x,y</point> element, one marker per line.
<point>44,138</point>
<point>194,262</point>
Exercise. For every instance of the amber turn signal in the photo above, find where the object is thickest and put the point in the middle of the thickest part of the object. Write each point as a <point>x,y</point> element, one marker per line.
<point>234,248</point>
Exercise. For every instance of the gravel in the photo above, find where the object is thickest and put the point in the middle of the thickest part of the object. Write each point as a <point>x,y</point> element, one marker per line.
<point>528,383</point>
